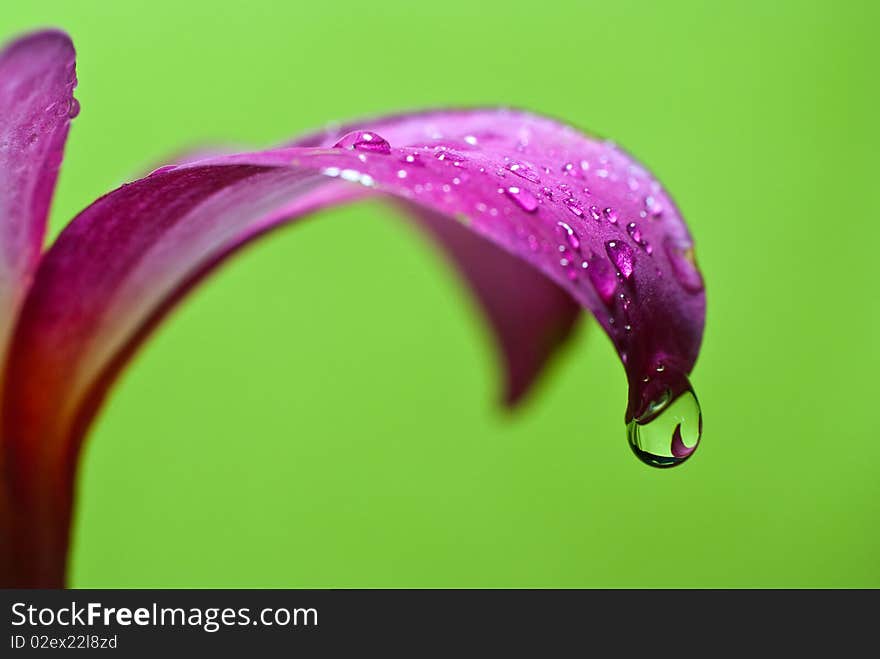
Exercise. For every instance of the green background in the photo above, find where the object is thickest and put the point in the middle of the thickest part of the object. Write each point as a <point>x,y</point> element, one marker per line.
<point>322,412</point>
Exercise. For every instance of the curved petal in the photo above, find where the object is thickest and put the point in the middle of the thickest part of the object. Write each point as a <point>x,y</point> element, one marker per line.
<point>529,315</point>
<point>577,209</point>
<point>37,77</point>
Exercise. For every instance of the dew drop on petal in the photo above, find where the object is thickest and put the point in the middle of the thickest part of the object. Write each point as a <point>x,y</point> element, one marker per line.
<point>569,169</point>
<point>636,234</point>
<point>653,207</point>
<point>603,278</point>
<point>523,170</point>
<point>610,215</point>
<point>570,234</point>
<point>364,140</point>
<point>621,256</point>
<point>567,263</point>
<point>684,266</point>
<point>633,230</point>
<point>573,207</point>
<point>523,198</point>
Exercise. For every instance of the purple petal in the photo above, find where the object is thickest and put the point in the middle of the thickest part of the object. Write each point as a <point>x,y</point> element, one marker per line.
<point>123,263</point>
<point>530,316</point>
<point>37,77</point>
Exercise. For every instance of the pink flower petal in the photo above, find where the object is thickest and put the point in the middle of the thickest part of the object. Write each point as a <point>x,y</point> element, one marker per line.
<point>530,316</point>
<point>123,263</point>
<point>37,77</point>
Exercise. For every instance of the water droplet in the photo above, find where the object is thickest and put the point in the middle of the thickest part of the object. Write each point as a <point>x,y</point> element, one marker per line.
<point>73,108</point>
<point>684,266</point>
<point>523,198</point>
<point>413,159</point>
<point>567,263</point>
<point>610,215</point>
<point>669,431</point>
<point>523,170</point>
<point>653,207</point>
<point>352,175</point>
<point>570,234</point>
<point>633,230</point>
<point>603,278</point>
<point>594,212</point>
<point>364,140</point>
<point>622,256</point>
<point>636,234</point>
<point>443,153</point>
<point>573,207</point>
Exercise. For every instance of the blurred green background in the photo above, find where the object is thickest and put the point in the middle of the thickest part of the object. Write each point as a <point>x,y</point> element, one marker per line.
<point>322,412</point>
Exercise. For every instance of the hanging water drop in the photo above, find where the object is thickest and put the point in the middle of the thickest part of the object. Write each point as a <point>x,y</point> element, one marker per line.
<point>669,430</point>
<point>364,140</point>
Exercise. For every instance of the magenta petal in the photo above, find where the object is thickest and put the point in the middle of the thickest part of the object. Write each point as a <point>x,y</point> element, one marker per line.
<point>540,192</point>
<point>37,77</point>
<point>530,316</point>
